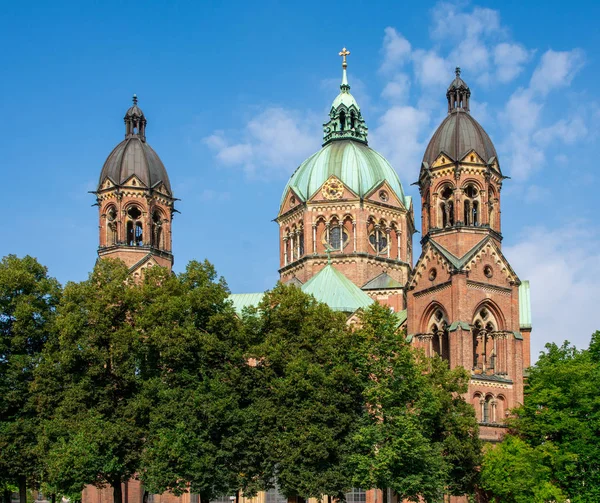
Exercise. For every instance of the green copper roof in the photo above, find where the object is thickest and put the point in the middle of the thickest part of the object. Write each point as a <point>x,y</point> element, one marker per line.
<point>401,317</point>
<point>243,300</point>
<point>334,289</point>
<point>524,305</point>
<point>359,167</point>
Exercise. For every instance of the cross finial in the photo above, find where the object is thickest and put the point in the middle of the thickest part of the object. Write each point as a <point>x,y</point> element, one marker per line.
<point>457,71</point>
<point>135,99</point>
<point>343,53</point>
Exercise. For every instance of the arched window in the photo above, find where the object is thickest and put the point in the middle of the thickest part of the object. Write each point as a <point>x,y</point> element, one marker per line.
<point>301,243</point>
<point>485,350</point>
<point>471,205</point>
<point>135,229</point>
<point>157,229</point>
<point>342,120</point>
<point>447,207</point>
<point>487,409</point>
<point>352,120</point>
<point>111,226</point>
<point>438,328</point>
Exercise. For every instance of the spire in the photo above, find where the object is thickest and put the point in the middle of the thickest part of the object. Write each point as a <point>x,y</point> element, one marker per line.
<point>458,94</point>
<point>135,121</point>
<point>345,87</point>
<point>345,120</point>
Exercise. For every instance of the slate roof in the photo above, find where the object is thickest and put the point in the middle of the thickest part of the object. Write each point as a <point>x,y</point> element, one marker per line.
<point>457,135</point>
<point>133,156</point>
<point>382,282</point>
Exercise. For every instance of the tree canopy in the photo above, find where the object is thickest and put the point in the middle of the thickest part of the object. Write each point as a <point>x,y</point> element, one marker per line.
<point>28,300</point>
<point>555,433</point>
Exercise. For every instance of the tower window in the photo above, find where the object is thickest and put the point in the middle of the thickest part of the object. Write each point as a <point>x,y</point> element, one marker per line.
<point>471,205</point>
<point>342,120</point>
<point>157,229</point>
<point>378,241</point>
<point>336,235</point>
<point>135,229</point>
<point>352,120</point>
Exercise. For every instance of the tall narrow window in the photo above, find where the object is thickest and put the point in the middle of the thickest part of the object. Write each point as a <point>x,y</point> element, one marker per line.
<point>342,121</point>
<point>471,205</point>
<point>111,227</point>
<point>135,229</point>
<point>447,207</point>
<point>157,229</point>
<point>352,120</point>
<point>301,243</point>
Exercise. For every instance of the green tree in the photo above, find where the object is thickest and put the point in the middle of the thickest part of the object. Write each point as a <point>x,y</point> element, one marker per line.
<point>558,424</point>
<point>515,472</point>
<point>28,299</point>
<point>417,435</point>
<point>88,387</point>
<point>307,393</point>
<point>195,376</point>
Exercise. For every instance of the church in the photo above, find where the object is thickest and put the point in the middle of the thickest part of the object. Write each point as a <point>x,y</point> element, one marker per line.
<point>346,237</point>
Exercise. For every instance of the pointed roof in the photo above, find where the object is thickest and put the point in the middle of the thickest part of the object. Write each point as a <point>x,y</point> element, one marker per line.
<point>382,282</point>
<point>334,289</point>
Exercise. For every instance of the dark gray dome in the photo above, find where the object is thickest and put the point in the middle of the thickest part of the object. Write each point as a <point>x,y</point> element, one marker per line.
<point>457,135</point>
<point>134,157</point>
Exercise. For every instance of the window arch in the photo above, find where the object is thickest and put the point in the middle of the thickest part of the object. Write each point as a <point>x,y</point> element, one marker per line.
<point>446,207</point>
<point>379,235</point>
<point>336,236</point>
<point>111,225</point>
<point>485,341</point>
<point>157,229</point>
<point>471,205</point>
<point>135,228</point>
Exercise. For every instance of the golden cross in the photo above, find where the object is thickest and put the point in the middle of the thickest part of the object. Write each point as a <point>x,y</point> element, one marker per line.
<point>344,52</point>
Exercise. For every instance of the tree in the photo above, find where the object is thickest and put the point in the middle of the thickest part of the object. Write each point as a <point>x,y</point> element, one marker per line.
<point>417,435</point>
<point>28,299</point>
<point>88,386</point>
<point>515,472</point>
<point>307,396</point>
<point>557,426</point>
<point>195,373</point>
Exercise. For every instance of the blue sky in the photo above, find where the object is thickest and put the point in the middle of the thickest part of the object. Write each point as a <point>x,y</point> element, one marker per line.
<point>235,94</point>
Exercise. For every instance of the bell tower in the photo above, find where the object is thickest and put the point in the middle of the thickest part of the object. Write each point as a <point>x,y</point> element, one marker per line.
<point>464,298</point>
<point>135,201</point>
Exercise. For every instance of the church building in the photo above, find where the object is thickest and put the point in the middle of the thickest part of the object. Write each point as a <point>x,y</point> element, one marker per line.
<point>346,236</point>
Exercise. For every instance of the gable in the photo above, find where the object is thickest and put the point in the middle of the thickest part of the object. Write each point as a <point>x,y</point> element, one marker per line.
<point>291,201</point>
<point>134,181</point>
<point>431,258</point>
<point>382,193</point>
<point>333,189</point>
<point>442,160</point>
<point>472,157</point>
<point>493,254</point>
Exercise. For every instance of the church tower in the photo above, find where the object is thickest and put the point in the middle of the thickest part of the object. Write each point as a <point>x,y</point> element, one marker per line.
<point>463,297</point>
<point>346,201</point>
<point>135,202</point>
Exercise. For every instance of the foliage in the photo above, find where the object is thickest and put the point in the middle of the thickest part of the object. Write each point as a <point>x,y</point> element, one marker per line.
<point>88,384</point>
<point>558,425</point>
<point>417,435</point>
<point>307,394</point>
<point>515,472</point>
<point>195,376</point>
<point>28,298</point>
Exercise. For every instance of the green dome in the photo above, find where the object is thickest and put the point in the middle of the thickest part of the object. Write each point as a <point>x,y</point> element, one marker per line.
<point>359,167</point>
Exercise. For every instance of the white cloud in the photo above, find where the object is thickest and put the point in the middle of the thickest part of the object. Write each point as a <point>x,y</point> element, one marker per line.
<point>397,90</point>
<point>567,131</point>
<point>273,143</point>
<point>562,265</point>
<point>556,70</point>
<point>449,21</point>
<point>431,69</point>
<point>396,49</point>
<point>509,60</point>
<point>399,136</point>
